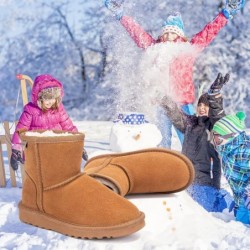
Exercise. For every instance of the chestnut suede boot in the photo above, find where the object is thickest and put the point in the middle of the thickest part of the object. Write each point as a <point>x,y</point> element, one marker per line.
<point>57,196</point>
<point>154,170</point>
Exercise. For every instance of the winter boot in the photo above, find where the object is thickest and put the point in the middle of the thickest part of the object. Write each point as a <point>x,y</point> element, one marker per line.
<point>57,196</point>
<point>153,170</point>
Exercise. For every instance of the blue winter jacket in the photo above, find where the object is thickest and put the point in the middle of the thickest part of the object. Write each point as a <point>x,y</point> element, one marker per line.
<point>235,156</point>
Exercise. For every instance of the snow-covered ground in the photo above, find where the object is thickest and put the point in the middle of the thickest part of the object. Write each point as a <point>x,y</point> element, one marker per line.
<point>172,221</point>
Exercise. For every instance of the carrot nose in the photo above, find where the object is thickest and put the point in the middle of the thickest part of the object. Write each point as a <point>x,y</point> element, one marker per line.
<point>137,137</point>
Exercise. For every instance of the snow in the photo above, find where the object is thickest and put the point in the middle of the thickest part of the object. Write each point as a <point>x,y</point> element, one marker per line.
<point>149,81</point>
<point>48,133</point>
<point>172,221</point>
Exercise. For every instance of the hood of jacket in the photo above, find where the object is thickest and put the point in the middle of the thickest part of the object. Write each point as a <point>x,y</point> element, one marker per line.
<point>42,82</point>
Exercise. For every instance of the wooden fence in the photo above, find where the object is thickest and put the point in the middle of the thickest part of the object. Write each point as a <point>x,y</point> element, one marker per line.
<point>5,140</point>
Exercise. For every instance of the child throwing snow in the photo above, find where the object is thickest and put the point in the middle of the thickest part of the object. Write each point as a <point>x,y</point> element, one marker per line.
<point>233,146</point>
<point>197,146</point>
<point>178,81</point>
<point>44,112</point>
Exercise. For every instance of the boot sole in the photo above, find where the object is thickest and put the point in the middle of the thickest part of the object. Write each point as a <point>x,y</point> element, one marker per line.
<point>189,166</point>
<point>45,221</point>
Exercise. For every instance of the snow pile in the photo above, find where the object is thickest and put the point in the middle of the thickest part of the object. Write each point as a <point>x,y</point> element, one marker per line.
<point>47,133</point>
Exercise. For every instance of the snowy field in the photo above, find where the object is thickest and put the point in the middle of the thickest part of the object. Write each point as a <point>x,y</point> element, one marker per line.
<point>172,221</point>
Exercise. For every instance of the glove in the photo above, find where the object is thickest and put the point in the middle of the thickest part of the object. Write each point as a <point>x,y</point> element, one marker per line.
<point>16,159</point>
<point>218,84</point>
<point>232,7</point>
<point>85,155</point>
<point>115,6</point>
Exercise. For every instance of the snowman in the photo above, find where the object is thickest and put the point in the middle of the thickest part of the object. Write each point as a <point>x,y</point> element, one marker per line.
<point>132,132</point>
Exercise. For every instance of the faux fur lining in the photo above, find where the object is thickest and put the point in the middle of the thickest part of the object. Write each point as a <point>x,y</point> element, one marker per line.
<point>108,183</point>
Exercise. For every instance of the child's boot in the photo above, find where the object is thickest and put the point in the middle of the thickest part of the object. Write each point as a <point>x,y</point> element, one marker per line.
<point>153,170</point>
<point>57,196</point>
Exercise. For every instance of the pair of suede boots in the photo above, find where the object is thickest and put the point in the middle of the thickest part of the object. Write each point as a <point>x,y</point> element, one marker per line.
<point>56,195</point>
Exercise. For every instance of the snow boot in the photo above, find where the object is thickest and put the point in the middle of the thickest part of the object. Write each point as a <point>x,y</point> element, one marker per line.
<point>57,196</point>
<point>154,170</point>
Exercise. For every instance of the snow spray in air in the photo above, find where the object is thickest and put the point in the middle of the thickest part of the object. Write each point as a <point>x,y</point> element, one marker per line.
<point>143,81</point>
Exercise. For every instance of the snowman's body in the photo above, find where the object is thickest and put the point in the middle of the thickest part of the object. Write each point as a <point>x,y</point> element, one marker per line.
<point>131,132</point>
<point>124,137</point>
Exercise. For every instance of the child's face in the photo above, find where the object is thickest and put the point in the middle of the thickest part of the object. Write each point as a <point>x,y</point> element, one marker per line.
<point>48,103</point>
<point>169,37</point>
<point>202,109</point>
<point>219,140</point>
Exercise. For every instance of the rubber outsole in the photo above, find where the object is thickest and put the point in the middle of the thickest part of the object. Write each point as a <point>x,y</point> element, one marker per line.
<point>45,221</point>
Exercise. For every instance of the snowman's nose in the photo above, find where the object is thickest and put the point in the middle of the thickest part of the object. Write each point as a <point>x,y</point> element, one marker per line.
<point>137,137</point>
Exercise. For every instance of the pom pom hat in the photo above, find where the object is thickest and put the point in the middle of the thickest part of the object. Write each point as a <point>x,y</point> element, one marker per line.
<point>174,24</point>
<point>230,124</point>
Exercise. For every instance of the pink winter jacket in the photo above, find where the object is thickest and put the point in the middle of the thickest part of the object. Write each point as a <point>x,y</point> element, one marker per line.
<point>181,69</point>
<point>33,118</point>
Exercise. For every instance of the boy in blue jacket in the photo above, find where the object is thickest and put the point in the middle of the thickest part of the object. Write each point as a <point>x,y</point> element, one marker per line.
<point>233,145</point>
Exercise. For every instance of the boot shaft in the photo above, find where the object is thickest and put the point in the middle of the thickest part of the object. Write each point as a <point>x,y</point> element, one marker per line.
<point>49,161</point>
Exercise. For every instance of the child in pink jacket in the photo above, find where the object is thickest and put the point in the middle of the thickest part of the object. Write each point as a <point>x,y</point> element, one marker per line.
<point>180,71</point>
<point>44,112</point>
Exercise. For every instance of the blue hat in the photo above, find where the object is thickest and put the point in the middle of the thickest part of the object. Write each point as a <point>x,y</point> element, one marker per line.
<point>174,24</point>
<point>131,119</point>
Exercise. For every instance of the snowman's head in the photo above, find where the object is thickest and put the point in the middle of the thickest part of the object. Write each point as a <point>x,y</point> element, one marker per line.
<point>133,134</point>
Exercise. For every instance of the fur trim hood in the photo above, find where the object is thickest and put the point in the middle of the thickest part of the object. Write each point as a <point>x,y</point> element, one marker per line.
<point>43,82</point>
